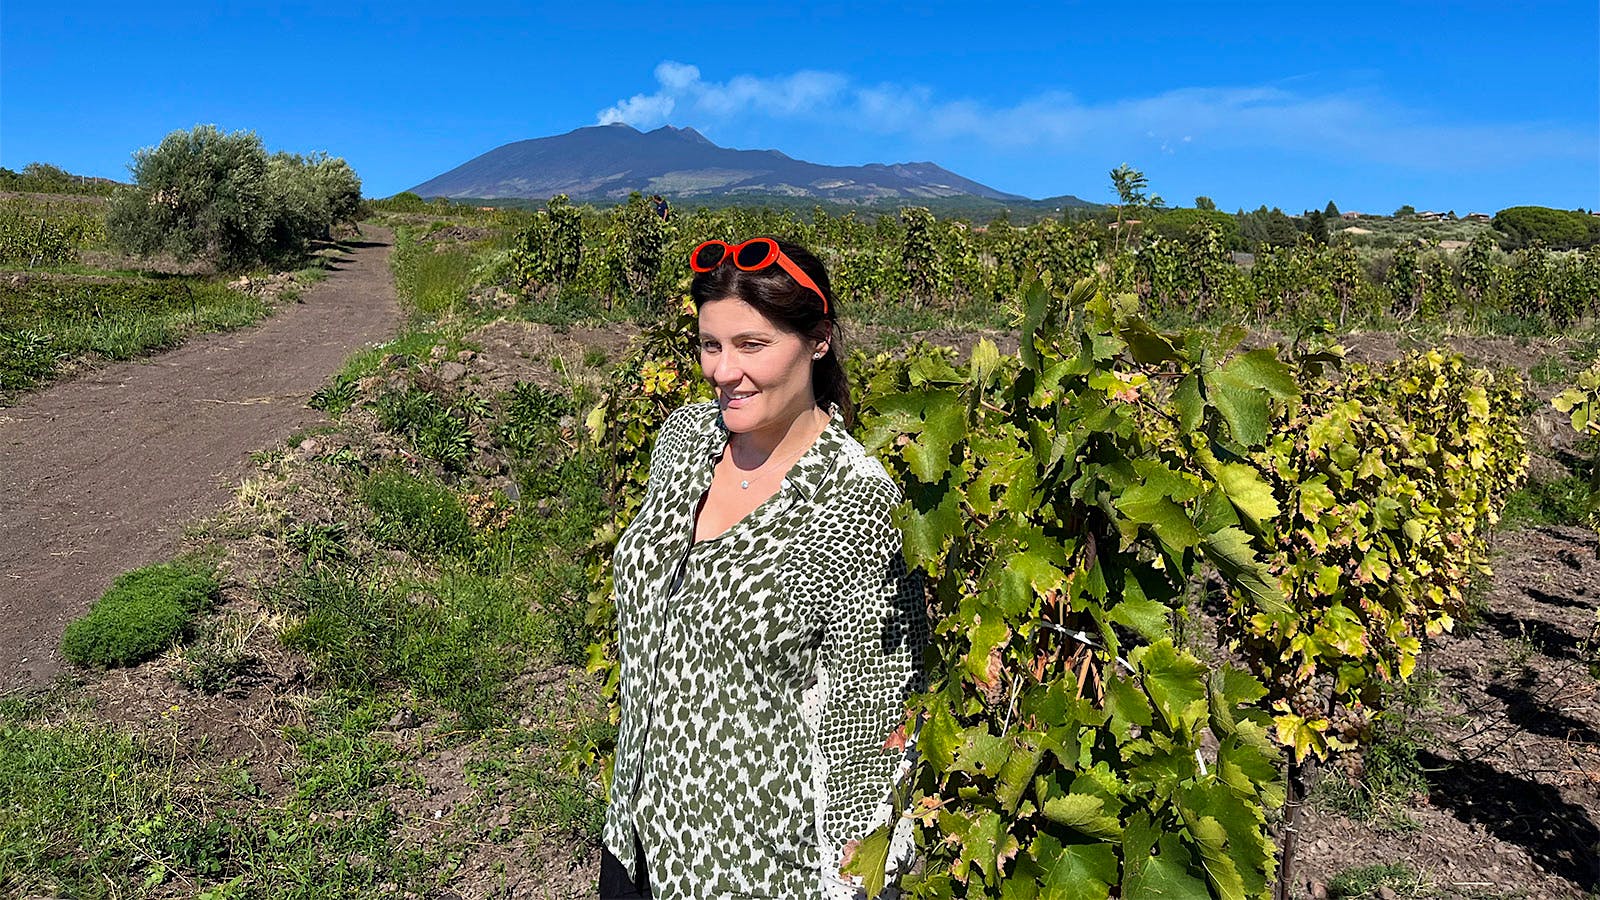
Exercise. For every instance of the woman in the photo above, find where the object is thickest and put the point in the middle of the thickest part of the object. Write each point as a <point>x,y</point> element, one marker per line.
<point>768,630</point>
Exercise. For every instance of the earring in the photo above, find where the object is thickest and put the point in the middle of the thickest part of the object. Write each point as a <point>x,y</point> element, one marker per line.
<point>816,356</point>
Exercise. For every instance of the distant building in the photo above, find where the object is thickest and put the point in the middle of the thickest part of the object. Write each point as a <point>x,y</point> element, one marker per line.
<point>1479,217</point>
<point>1351,216</point>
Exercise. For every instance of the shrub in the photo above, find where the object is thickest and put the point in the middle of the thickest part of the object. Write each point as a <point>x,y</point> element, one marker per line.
<point>201,193</point>
<point>141,615</point>
<point>216,196</point>
<point>417,514</point>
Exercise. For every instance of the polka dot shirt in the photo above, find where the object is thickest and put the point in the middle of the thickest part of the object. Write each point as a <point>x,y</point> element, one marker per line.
<point>762,672</point>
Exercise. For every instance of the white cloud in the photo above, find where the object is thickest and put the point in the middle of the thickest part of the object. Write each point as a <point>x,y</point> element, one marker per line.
<point>682,89</point>
<point>1336,125</point>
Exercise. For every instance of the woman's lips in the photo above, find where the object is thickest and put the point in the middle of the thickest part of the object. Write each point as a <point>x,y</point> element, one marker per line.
<point>731,402</point>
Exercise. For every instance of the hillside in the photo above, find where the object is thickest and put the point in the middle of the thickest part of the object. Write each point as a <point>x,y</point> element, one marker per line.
<point>607,162</point>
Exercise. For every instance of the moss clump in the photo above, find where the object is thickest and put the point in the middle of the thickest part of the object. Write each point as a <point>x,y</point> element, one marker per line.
<point>141,615</point>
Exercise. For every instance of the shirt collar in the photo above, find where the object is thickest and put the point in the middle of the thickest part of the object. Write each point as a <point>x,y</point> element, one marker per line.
<point>808,471</point>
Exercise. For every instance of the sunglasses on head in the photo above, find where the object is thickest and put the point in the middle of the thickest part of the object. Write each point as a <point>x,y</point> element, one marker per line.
<point>752,256</point>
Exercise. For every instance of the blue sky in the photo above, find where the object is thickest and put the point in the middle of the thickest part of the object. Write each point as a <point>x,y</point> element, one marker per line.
<point>1464,106</point>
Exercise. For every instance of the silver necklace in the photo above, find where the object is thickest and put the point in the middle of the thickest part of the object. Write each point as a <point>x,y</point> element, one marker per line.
<point>767,467</point>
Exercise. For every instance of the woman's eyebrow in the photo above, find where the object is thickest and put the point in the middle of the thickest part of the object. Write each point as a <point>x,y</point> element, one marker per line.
<point>763,335</point>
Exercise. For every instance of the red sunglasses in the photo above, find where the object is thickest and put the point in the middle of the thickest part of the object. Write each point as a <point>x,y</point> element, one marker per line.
<point>751,256</point>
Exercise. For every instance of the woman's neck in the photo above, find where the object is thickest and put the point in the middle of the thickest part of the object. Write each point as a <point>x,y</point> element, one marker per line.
<point>752,449</point>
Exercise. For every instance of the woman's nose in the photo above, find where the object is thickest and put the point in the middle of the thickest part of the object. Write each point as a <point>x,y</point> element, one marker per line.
<point>724,370</point>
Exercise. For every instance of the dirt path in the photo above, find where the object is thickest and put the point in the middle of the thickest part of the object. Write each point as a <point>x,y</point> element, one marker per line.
<point>101,473</point>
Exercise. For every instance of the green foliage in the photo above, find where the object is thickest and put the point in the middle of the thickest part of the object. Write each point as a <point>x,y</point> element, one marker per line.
<point>416,513</point>
<point>1045,504</point>
<point>636,247</point>
<point>1177,224</point>
<point>1562,500</point>
<point>529,416</point>
<point>439,431</point>
<point>202,193</point>
<point>47,234</point>
<point>44,178</point>
<point>1264,227</point>
<point>925,274</point>
<point>336,396</point>
<point>551,246</point>
<point>143,612</point>
<point>432,283</point>
<point>1385,482</point>
<point>45,322</point>
<point>1525,226</point>
<point>1581,403</point>
<point>306,197</point>
<point>915,272</point>
<point>403,202</point>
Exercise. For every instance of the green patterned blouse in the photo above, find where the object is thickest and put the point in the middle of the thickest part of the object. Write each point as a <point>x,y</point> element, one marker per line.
<point>762,672</point>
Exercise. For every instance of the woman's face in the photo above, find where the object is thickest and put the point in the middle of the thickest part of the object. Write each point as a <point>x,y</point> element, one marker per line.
<point>761,372</point>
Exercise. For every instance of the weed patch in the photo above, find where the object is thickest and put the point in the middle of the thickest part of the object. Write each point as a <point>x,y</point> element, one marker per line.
<point>416,513</point>
<point>432,281</point>
<point>1366,881</point>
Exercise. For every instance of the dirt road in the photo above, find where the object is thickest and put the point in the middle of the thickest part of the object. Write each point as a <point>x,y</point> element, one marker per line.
<point>101,473</point>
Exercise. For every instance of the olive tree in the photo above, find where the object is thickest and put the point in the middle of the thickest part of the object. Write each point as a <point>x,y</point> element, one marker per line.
<point>219,197</point>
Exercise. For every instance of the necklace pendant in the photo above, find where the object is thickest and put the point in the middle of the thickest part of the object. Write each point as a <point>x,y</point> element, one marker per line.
<point>745,485</point>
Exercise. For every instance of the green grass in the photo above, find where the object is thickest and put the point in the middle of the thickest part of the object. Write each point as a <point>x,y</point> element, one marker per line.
<point>413,346</point>
<point>93,812</point>
<point>45,324</point>
<point>141,615</point>
<point>1364,881</point>
<point>418,514</point>
<point>1562,500</point>
<point>432,283</point>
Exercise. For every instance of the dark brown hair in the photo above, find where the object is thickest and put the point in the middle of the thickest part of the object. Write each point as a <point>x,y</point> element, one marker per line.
<point>776,295</point>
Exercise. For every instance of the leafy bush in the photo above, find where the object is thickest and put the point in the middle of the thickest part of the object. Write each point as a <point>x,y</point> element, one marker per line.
<point>201,193</point>
<point>1176,224</point>
<point>141,615</point>
<point>418,514</point>
<point>218,197</point>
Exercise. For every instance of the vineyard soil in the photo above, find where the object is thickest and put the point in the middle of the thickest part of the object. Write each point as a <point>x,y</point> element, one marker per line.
<point>102,472</point>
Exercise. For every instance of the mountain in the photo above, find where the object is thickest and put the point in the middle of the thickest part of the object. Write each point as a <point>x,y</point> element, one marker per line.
<point>606,162</point>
